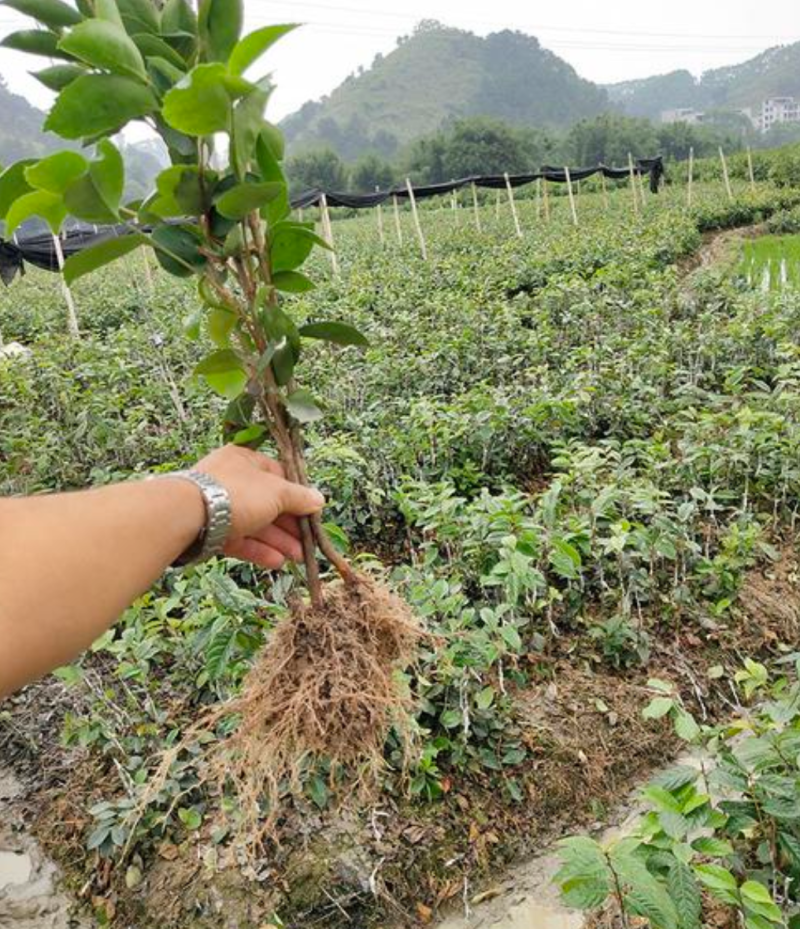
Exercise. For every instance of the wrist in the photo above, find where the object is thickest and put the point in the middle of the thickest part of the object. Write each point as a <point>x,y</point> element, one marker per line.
<point>211,502</point>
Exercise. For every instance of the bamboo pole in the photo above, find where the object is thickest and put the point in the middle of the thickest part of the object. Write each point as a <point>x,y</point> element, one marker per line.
<point>690,178</point>
<point>604,187</point>
<point>750,170</point>
<point>633,185</point>
<point>475,207</point>
<point>538,198</point>
<point>417,224</point>
<point>571,196</point>
<point>328,233</point>
<point>398,228</point>
<point>545,200</point>
<point>725,175</point>
<point>72,315</point>
<point>380,219</point>
<point>513,205</point>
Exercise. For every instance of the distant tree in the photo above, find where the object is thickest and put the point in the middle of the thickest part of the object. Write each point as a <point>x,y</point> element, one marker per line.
<point>370,172</point>
<point>322,168</point>
<point>609,138</point>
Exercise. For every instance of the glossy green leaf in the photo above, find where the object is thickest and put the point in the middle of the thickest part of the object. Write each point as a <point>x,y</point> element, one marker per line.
<point>291,244</point>
<point>151,46</point>
<point>177,250</point>
<point>35,42</point>
<point>41,203</point>
<point>303,407</point>
<point>95,197</point>
<point>250,48</point>
<point>58,76</point>
<point>270,169</point>
<point>248,120</point>
<point>246,198</point>
<point>200,104</point>
<point>98,104</point>
<point>292,282</point>
<point>108,11</point>
<point>56,172</point>
<point>191,818</point>
<point>13,184</point>
<point>658,707</point>
<point>178,16</point>
<point>106,46</point>
<point>180,192</point>
<point>219,26</point>
<point>224,373</point>
<point>333,331</point>
<point>97,256</point>
<point>220,325</point>
<point>53,13</point>
<point>139,16</point>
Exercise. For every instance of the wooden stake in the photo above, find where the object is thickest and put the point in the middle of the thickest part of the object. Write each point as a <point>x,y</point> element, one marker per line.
<point>475,205</point>
<point>750,169</point>
<point>545,200</point>
<point>454,200</point>
<point>633,185</point>
<point>513,205</point>
<point>72,316</point>
<point>397,226</point>
<point>571,196</point>
<point>604,188</point>
<point>691,177</point>
<point>328,233</point>
<point>380,220</point>
<point>538,198</point>
<point>497,203</point>
<point>417,224</point>
<point>148,274</point>
<point>725,175</point>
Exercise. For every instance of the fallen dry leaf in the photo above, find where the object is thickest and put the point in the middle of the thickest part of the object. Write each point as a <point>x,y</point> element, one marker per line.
<point>425,913</point>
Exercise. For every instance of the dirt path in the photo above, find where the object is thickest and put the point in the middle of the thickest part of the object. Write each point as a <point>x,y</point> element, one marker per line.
<point>29,895</point>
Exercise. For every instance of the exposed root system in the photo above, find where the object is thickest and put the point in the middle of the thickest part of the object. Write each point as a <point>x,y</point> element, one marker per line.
<point>326,686</point>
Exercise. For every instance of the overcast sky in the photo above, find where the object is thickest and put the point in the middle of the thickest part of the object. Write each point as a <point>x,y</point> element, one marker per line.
<point>610,41</point>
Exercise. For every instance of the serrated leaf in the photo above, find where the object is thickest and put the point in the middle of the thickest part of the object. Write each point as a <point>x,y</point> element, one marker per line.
<point>106,46</point>
<point>219,650</point>
<point>98,104</point>
<point>685,893</point>
<point>303,407</point>
<point>713,848</point>
<point>685,726</point>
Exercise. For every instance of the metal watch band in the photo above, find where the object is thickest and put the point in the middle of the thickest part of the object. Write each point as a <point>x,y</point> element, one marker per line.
<point>218,518</point>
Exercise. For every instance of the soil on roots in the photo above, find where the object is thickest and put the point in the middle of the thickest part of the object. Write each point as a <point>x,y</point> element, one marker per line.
<point>326,686</point>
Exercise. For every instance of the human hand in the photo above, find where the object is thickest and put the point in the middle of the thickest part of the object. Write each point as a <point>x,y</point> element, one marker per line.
<point>265,506</point>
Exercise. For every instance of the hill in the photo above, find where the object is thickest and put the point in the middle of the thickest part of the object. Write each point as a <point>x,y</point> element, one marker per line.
<point>21,133</point>
<point>772,73</point>
<point>437,75</point>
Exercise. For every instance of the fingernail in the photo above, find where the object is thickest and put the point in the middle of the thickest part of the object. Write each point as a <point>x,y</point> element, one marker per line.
<point>319,499</point>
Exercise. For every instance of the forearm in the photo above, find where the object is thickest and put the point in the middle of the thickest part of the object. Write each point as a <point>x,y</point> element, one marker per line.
<point>71,563</point>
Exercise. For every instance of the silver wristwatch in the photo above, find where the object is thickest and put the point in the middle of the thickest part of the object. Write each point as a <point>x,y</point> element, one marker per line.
<point>218,518</point>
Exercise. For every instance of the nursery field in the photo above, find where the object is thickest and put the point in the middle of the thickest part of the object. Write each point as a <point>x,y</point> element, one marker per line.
<point>575,454</point>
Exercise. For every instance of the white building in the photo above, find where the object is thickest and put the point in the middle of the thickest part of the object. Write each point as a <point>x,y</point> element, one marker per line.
<point>683,114</point>
<point>776,110</point>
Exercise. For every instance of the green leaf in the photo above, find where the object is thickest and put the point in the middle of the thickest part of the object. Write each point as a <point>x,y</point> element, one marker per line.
<point>58,77</point>
<point>219,363</point>
<point>248,121</point>
<point>292,282</point>
<point>318,791</point>
<point>51,13</point>
<point>178,16</point>
<point>95,196</point>
<point>291,245</point>
<point>90,259</point>
<point>645,895</point>
<point>200,104</point>
<point>565,559</point>
<point>485,698</point>
<point>685,893</point>
<point>718,880</point>
<point>98,837</point>
<point>13,184</point>
<point>98,104</point>
<point>106,46</point>
<point>177,250</point>
<point>714,848</point>
<point>152,46</point>
<point>224,373</point>
<point>181,192</point>
<point>190,818</point>
<point>139,15</point>
<point>219,26</point>
<point>755,892</point>
<point>35,42</point>
<point>249,49</point>
<point>246,198</point>
<point>50,207</point>
<point>584,877</point>
<point>658,707</point>
<point>220,325</point>
<point>220,648</point>
<point>511,637</point>
<point>70,674</point>
<point>451,719</point>
<point>332,331</point>
<point>685,727</point>
<point>303,407</point>
<point>56,172</point>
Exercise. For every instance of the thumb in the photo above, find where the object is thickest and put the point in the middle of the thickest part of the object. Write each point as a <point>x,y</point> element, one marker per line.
<point>297,500</point>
